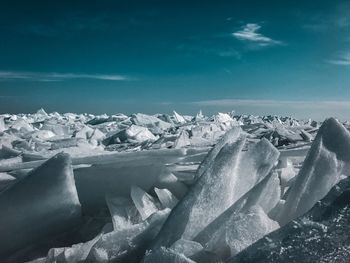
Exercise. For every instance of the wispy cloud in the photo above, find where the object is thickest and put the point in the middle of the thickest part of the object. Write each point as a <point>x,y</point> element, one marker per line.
<point>329,19</point>
<point>53,76</point>
<point>342,59</point>
<point>249,33</point>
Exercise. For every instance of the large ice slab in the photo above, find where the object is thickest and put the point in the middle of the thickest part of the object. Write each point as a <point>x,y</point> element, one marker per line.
<point>327,160</point>
<point>321,235</point>
<point>265,194</point>
<point>232,174</point>
<point>229,137</point>
<point>212,192</point>
<point>39,206</point>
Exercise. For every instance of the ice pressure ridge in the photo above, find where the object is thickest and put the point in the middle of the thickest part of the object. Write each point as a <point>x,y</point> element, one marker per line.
<point>173,188</point>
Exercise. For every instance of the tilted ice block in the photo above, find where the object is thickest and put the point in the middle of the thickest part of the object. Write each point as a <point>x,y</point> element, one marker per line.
<point>182,141</point>
<point>232,174</point>
<point>167,255</point>
<point>210,196</point>
<point>320,235</point>
<point>265,194</point>
<point>328,158</point>
<point>139,134</point>
<point>41,205</point>
<point>254,165</point>
<point>178,118</point>
<point>123,211</point>
<point>240,231</point>
<point>229,137</point>
<point>128,245</point>
<point>145,203</point>
<point>84,132</point>
<point>166,198</point>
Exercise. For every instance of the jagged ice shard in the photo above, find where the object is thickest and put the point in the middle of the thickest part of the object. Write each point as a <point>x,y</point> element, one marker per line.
<point>228,188</point>
<point>230,176</point>
<point>41,205</point>
<point>321,235</point>
<point>327,160</point>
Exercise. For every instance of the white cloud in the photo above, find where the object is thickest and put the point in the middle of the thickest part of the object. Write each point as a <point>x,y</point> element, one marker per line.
<point>343,60</point>
<point>53,76</point>
<point>250,34</point>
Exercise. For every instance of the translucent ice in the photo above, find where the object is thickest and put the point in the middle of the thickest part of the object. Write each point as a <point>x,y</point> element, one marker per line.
<point>242,230</point>
<point>128,245</point>
<point>166,198</point>
<point>327,160</point>
<point>123,211</point>
<point>232,174</point>
<point>145,203</point>
<point>265,194</point>
<point>46,196</point>
<point>320,235</point>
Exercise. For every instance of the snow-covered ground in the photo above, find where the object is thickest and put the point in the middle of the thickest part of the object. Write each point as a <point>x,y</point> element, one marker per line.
<point>173,188</point>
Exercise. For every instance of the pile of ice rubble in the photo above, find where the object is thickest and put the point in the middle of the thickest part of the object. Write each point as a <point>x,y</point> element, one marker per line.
<point>173,188</point>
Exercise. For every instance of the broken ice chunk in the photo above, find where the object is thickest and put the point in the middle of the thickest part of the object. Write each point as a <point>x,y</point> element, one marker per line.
<point>242,230</point>
<point>265,194</point>
<point>320,235</point>
<point>229,137</point>
<point>123,211</point>
<point>232,174</point>
<point>328,158</point>
<point>178,118</point>
<point>145,203</point>
<point>166,198</point>
<point>128,245</point>
<point>211,195</point>
<point>182,141</point>
<point>48,193</point>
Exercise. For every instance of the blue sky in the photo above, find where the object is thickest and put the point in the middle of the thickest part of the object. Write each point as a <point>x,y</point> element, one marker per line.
<point>255,57</point>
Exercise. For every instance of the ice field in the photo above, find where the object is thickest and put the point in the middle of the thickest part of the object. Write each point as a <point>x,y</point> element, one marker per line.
<point>173,188</point>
